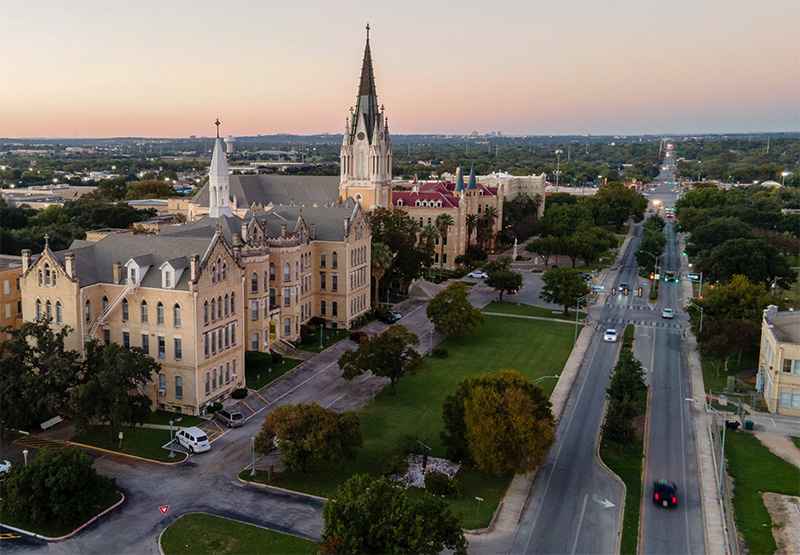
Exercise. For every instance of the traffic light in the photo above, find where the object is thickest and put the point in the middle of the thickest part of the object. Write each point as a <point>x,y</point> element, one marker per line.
<point>640,292</point>
<point>652,275</point>
<point>684,253</point>
<point>613,290</point>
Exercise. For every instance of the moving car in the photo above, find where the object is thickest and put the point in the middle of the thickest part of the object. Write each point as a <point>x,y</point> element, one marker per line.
<point>5,466</point>
<point>623,287</point>
<point>478,274</point>
<point>358,336</point>
<point>667,313</point>
<point>387,318</point>
<point>610,336</point>
<point>194,439</point>
<point>665,493</point>
<point>232,419</point>
<point>396,314</point>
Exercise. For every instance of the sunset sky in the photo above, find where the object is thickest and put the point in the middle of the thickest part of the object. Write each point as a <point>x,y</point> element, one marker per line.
<point>168,68</point>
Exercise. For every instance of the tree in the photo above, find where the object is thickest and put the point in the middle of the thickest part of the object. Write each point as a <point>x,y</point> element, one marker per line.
<point>592,242</point>
<point>723,339</point>
<point>563,286</point>
<point>616,204</point>
<point>109,394</point>
<point>652,245</point>
<point>57,487</point>
<point>618,424</point>
<point>472,224</point>
<point>398,231</point>
<point>451,312</point>
<point>389,355</point>
<point>626,383</point>
<point>561,220</point>
<point>369,515</point>
<point>443,223</point>
<point>738,300</point>
<point>381,258</point>
<point>714,233</point>
<point>37,373</point>
<point>511,413</point>
<point>503,280</point>
<point>306,431</point>
<point>544,247</point>
<point>654,223</point>
<point>761,263</point>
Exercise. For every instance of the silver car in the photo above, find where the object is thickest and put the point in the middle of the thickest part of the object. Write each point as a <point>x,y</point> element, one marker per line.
<point>232,419</point>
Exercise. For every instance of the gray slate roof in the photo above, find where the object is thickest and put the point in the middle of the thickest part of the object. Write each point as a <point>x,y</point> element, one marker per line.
<point>278,189</point>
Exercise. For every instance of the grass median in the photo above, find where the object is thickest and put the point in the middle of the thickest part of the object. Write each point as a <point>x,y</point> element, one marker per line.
<point>535,348</point>
<point>140,442</point>
<point>204,533</point>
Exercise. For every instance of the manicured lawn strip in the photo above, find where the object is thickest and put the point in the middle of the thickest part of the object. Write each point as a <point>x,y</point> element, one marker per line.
<point>258,374</point>
<point>533,347</point>
<point>203,533</point>
<point>183,420</point>
<point>718,385</point>
<point>142,442</point>
<point>52,530</point>
<point>796,441</point>
<point>329,337</point>
<point>530,310</point>
<point>755,470</point>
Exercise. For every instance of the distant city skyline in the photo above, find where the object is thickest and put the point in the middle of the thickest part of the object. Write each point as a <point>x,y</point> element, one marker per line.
<point>168,68</point>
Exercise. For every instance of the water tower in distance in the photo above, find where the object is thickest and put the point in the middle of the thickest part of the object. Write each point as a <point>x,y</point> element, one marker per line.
<point>230,144</point>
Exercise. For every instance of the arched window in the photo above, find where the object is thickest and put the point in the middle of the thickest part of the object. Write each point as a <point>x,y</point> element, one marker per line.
<point>322,260</point>
<point>40,278</point>
<point>219,269</point>
<point>254,283</point>
<point>334,260</point>
<point>47,274</point>
<point>224,272</point>
<point>266,281</point>
<point>59,318</point>
<point>38,308</point>
<point>124,310</point>
<point>271,271</point>
<point>88,314</point>
<point>48,307</point>
<point>176,315</point>
<point>205,313</point>
<point>144,312</point>
<point>219,307</point>
<point>213,310</point>
<point>296,270</point>
<point>105,304</point>
<point>233,303</point>
<point>54,277</point>
<point>225,304</point>
<point>214,274</point>
<point>160,313</point>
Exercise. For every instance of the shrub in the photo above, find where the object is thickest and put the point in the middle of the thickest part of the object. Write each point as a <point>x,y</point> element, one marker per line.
<point>240,393</point>
<point>438,483</point>
<point>439,352</point>
<point>214,407</point>
<point>277,358</point>
<point>392,463</point>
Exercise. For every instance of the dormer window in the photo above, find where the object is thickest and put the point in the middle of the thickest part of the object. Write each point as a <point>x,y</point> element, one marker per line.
<point>400,202</point>
<point>133,275</point>
<point>167,278</point>
<point>416,203</point>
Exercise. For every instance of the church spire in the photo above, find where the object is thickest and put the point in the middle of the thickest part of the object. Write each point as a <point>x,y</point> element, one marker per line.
<point>367,99</point>
<point>459,180</point>
<point>473,183</point>
<point>218,181</point>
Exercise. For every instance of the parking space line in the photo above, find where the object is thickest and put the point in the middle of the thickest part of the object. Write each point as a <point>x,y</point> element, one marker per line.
<point>248,406</point>
<point>217,425</point>
<point>262,398</point>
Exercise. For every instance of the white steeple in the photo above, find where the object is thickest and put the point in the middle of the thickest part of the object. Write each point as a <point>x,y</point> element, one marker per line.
<point>218,182</point>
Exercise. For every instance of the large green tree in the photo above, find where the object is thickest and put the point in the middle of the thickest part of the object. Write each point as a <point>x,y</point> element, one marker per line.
<point>616,204</point>
<point>390,354</point>
<point>544,247</point>
<point>761,263</point>
<point>563,286</point>
<point>395,229</point>
<point>737,300</point>
<point>451,312</point>
<point>306,431</point>
<point>504,279</point>
<point>369,515</point>
<point>714,233</point>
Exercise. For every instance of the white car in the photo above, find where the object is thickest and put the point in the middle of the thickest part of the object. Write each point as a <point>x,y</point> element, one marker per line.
<point>478,274</point>
<point>396,314</point>
<point>610,336</point>
<point>667,313</point>
<point>5,466</point>
<point>194,439</point>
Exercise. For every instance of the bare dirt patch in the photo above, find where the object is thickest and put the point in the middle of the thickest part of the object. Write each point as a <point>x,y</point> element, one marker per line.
<point>639,424</point>
<point>781,446</point>
<point>784,510</point>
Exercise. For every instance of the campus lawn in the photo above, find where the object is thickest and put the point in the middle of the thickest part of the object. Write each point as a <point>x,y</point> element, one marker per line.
<point>796,441</point>
<point>535,348</point>
<point>260,370</point>
<point>329,337</point>
<point>530,310</point>
<point>163,417</point>
<point>52,530</point>
<point>204,533</point>
<point>756,470</point>
<point>719,384</point>
<point>141,442</point>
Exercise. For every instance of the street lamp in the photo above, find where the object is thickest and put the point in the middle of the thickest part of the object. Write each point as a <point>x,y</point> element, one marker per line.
<point>558,166</point>
<point>430,348</point>
<point>25,454</point>
<point>537,380</point>
<point>700,308</point>
<point>577,308</point>
<point>478,514</point>
<point>783,175</point>
<point>171,451</point>
<point>253,440</point>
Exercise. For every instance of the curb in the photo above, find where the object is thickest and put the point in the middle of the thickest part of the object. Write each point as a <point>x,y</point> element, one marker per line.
<point>78,529</point>
<point>644,468</point>
<point>176,463</point>
<point>284,490</point>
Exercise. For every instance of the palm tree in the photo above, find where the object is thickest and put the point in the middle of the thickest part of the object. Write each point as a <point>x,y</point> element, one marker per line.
<point>489,216</point>
<point>472,224</point>
<point>536,203</point>
<point>429,233</point>
<point>443,222</point>
<point>381,261</point>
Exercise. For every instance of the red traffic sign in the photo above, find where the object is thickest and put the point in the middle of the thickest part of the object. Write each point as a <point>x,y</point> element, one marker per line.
<point>164,509</point>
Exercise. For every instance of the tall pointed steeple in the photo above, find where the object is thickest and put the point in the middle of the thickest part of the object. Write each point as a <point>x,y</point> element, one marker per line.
<point>473,182</point>
<point>459,180</point>
<point>218,182</point>
<point>367,99</point>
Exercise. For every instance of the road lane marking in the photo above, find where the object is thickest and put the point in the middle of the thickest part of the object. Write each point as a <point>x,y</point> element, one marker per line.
<point>580,522</point>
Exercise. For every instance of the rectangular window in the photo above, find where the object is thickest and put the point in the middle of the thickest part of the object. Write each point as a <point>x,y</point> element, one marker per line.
<point>124,311</point>
<point>334,308</point>
<point>146,343</point>
<point>233,333</point>
<point>266,309</point>
<point>178,387</point>
<point>287,296</point>
<point>227,372</point>
<point>126,339</point>
<point>790,398</point>
<point>208,383</point>
<point>213,343</point>
<point>8,310</point>
<point>272,296</point>
<point>791,366</point>
<point>322,308</point>
<point>214,379</point>
<point>322,280</point>
<point>444,257</point>
<point>287,326</point>
<point>106,336</point>
<point>254,342</point>
<point>162,347</point>
<point>334,282</point>
<point>6,288</point>
<point>254,310</point>
<point>205,344</point>
<point>178,348</point>
<point>444,240</point>
<point>227,337</point>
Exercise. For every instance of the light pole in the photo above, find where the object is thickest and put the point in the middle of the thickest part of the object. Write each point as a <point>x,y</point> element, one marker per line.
<point>783,180</point>
<point>577,308</point>
<point>722,448</point>
<point>171,451</point>
<point>537,380</point>
<point>25,454</point>
<point>478,514</point>
<point>253,440</point>
<point>430,348</point>
<point>558,166</point>
<point>700,308</point>
<point>655,268</point>
<point>320,336</point>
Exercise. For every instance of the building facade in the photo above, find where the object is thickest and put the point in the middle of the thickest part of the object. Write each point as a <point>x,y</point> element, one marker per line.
<point>10,297</point>
<point>779,361</point>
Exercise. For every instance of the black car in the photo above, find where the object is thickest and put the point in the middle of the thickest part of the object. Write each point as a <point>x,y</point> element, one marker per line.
<point>665,493</point>
<point>387,317</point>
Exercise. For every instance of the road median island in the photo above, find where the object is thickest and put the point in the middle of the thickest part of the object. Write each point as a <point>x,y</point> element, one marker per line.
<point>141,443</point>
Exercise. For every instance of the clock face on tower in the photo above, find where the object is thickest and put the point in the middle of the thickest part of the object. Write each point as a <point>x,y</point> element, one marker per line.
<point>361,136</point>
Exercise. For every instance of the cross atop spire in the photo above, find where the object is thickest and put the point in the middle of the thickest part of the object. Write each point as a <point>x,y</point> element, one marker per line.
<point>217,124</point>
<point>46,241</point>
<point>367,32</point>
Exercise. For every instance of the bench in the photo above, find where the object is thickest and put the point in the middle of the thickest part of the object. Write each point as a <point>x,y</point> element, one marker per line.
<point>50,423</point>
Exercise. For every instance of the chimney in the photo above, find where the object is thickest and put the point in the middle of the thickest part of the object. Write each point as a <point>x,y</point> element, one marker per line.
<point>194,265</point>
<point>117,272</point>
<point>69,264</point>
<point>312,231</point>
<point>346,227</point>
<point>283,230</point>
<point>236,240</point>
<point>26,259</point>
<point>244,229</point>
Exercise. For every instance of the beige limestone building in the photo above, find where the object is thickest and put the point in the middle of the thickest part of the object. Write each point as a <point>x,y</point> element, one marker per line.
<point>779,361</point>
<point>10,298</point>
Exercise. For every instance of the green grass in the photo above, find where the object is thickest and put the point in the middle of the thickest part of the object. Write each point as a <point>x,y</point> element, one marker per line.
<point>142,442</point>
<point>259,370</point>
<point>163,417</point>
<point>796,441</point>
<point>718,384</point>
<point>530,310</point>
<point>203,533</point>
<point>756,470</point>
<point>329,337</point>
<point>52,530</point>
<point>793,294</point>
<point>533,347</point>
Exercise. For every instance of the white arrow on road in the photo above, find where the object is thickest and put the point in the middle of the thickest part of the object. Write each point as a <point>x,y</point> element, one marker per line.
<point>604,502</point>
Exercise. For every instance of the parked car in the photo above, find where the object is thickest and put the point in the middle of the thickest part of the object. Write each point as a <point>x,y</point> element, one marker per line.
<point>194,439</point>
<point>478,274</point>
<point>610,336</point>
<point>667,313</point>
<point>665,493</point>
<point>358,336</point>
<point>232,419</point>
<point>387,318</point>
<point>5,466</point>
<point>396,314</point>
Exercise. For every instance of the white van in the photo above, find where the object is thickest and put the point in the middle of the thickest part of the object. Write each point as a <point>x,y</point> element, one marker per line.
<point>194,439</point>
